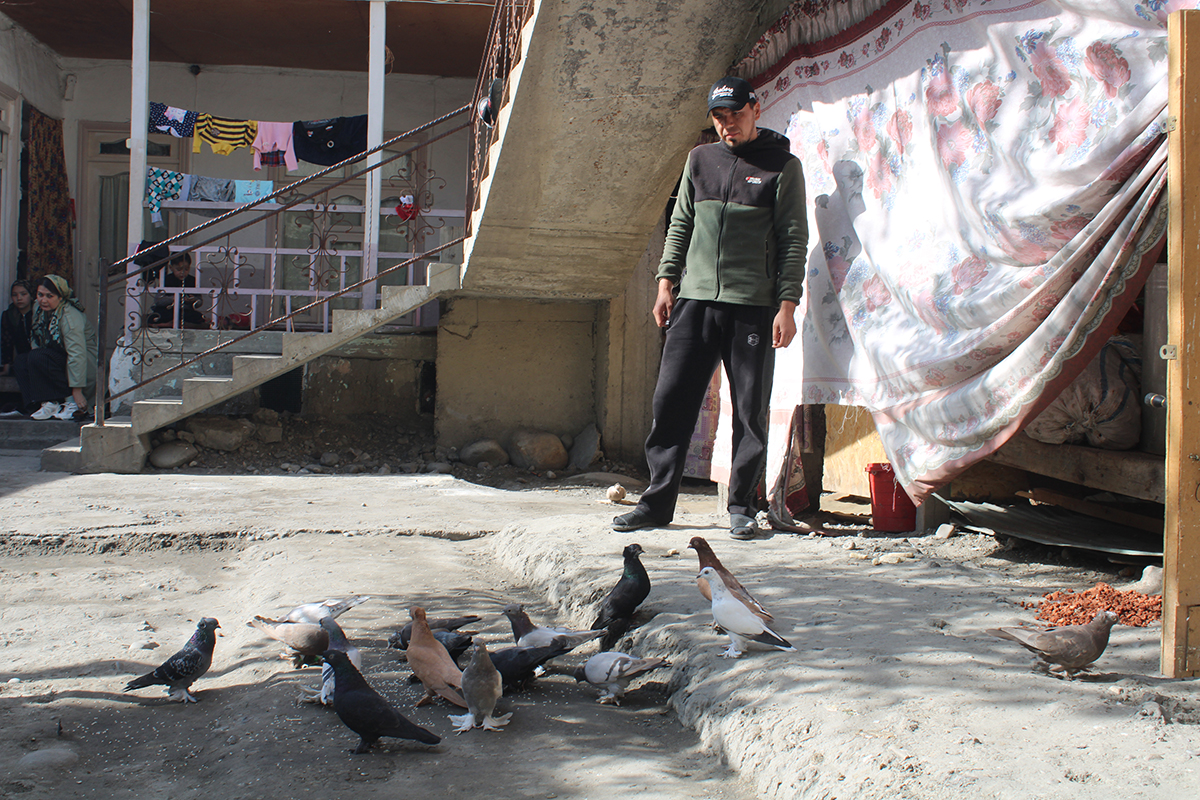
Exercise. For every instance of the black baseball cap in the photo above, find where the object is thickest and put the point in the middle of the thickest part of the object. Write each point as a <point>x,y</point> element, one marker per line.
<point>731,93</point>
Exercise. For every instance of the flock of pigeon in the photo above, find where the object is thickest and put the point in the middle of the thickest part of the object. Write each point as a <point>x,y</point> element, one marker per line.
<point>432,646</point>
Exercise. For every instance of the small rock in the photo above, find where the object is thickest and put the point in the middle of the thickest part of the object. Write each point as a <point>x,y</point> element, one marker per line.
<point>1150,582</point>
<point>670,553</point>
<point>330,459</point>
<point>384,469</point>
<point>14,680</point>
<point>585,448</point>
<point>1150,710</point>
<point>439,467</point>
<point>143,644</point>
<point>850,544</point>
<point>488,450</point>
<point>892,558</point>
<point>945,531</point>
<point>173,454</point>
<point>537,450</point>
<point>49,759</point>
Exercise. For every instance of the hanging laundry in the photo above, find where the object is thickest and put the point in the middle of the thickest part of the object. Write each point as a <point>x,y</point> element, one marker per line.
<point>222,134</point>
<point>328,141</point>
<point>407,209</point>
<point>274,138</point>
<point>249,191</point>
<point>168,119</point>
<point>161,185</point>
<point>211,190</point>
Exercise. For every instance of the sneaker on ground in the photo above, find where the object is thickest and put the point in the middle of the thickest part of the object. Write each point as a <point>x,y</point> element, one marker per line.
<point>68,410</point>
<point>47,411</point>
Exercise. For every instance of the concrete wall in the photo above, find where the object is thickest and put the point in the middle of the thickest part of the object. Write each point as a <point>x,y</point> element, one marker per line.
<point>371,375</point>
<point>508,364</point>
<point>30,68</point>
<point>627,363</point>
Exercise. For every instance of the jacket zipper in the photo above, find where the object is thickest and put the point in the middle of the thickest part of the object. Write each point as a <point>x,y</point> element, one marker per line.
<point>721,226</point>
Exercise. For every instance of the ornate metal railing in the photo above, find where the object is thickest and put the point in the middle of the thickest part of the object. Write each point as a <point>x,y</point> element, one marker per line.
<point>503,52</point>
<point>321,268</point>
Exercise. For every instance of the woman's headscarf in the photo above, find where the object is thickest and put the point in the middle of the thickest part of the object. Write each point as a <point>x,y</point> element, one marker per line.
<point>28,288</point>
<point>47,325</point>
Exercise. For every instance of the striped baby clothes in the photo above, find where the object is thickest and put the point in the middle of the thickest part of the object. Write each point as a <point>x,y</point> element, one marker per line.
<point>222,134</point>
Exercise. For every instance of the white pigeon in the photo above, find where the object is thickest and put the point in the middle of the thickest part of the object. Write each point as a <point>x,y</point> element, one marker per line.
<point>739,621</point>
<point>313,613</point>
<point>612,672</point>
<point>337,641</point>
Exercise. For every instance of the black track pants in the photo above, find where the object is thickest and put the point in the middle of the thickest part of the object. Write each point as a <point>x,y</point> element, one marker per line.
<point>702,334</point>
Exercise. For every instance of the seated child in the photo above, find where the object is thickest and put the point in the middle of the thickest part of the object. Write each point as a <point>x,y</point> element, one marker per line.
<point>178,275</point>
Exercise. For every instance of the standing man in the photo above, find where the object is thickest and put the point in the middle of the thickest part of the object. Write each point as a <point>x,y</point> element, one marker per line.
<point>736,249</point>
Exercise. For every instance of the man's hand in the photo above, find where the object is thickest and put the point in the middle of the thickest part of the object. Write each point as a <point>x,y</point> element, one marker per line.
<point>666,301</point>
<point>783,330</point>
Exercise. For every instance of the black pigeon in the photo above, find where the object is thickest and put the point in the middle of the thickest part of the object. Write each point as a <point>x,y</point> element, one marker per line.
<point>365,711</point>
<point>518,665</point>
<point>455,643</point>
<point>399,639</point>
<point>616,610</point>
<point>181,670</point>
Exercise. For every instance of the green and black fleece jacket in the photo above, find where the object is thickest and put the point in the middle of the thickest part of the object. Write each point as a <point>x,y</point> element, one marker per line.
<point>739,232</point>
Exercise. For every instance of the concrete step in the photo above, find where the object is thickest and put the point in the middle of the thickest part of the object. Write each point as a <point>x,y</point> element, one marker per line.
<point>22,433</point>
<point>203,391</point>
<point>151,414</point>
<point>63,457</point>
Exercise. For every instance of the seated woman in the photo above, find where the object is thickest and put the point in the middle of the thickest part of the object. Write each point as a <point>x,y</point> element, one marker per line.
<point>60,371</point>
<point>16,323</point>
<point>179,276</point>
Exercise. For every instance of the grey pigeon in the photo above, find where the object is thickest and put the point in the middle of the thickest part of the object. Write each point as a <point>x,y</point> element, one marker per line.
<point>313,613</point>
<point>399,639</point>
<point>181,670</point>
<point>612,672</point>
<point>738,620</point>
<point>481,688</point>
<point>365,711</point>
<point>526,634</point>
<point>1071,647</point>
<point>520,665</point>
<point>618,606</point>
<point>305,641</point>
<point>337,641</point>
<point>456,643</point>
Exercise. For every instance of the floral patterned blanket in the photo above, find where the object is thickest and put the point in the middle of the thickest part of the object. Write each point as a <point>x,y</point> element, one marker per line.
<point>984,179</point>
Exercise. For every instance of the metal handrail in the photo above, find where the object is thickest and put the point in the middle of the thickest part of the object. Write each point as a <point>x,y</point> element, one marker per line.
<point>119,269</point>
<point>502,53</point>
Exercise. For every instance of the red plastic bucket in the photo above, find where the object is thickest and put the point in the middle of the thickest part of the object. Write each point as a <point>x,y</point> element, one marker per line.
<point>891,509</point>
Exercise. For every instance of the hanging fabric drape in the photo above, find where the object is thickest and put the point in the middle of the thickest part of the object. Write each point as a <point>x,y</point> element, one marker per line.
<point>48,198</point>
<point>984,180</point>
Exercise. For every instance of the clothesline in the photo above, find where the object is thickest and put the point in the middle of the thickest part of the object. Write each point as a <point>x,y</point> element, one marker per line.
<point>324,142</point>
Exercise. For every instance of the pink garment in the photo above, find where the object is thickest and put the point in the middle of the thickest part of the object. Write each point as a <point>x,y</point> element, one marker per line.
<point>274,136</point>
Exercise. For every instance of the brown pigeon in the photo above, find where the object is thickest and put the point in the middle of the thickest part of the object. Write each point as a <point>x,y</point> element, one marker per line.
<point>305,641</point>
<point>432,664</point>
<point>709,559</point>
<point>1070,647</point>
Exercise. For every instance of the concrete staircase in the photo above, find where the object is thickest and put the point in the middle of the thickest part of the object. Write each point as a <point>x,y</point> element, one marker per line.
<point>122,443</point>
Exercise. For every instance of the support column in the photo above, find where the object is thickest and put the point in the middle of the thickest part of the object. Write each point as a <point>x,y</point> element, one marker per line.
<point>1181,546</point>
<point>375,110</point>
<point>139,122</point>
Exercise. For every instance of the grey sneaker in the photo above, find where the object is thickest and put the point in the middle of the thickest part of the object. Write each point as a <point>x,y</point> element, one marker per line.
<point>742,527</point>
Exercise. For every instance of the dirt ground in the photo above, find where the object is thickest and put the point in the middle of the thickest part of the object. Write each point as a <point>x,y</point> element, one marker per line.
<point>895,691</point>
<point>68,622</point>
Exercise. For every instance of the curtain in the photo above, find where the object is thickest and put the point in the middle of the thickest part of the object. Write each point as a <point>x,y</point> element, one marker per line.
<point>48,198</point>
<point>114,217</point>
<point>984,180</point>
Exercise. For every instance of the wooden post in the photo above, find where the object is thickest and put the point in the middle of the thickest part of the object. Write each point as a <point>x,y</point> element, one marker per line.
<point>1181,546</point>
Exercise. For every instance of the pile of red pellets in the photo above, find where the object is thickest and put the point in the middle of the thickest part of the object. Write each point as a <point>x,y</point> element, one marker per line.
<point>1077,608</point>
